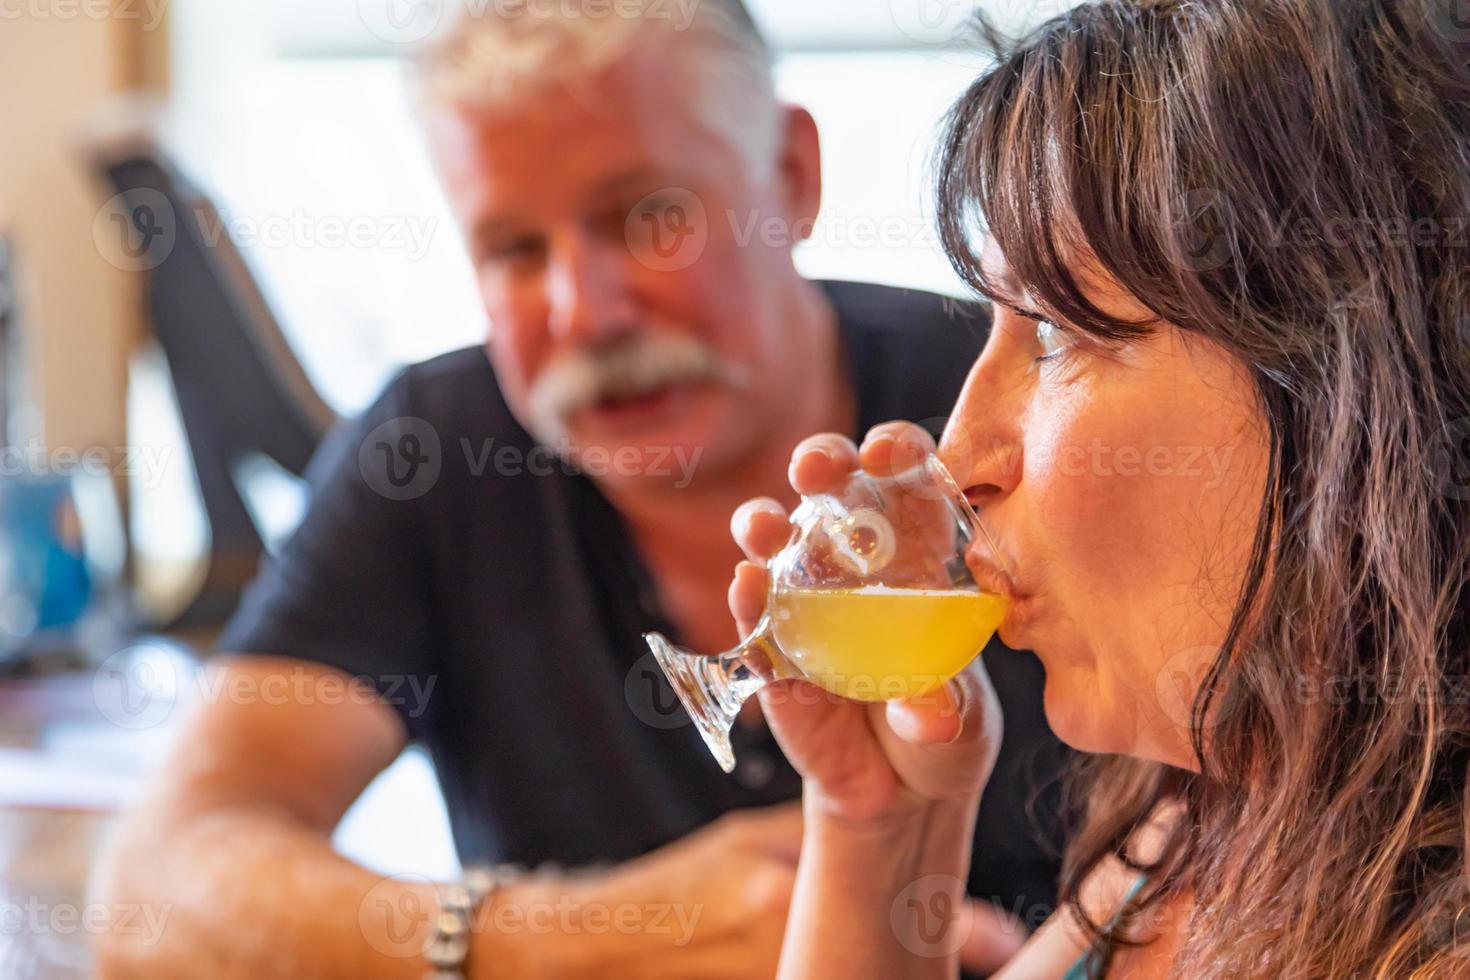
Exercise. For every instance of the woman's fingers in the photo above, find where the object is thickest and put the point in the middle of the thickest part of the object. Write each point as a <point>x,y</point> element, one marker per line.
<point>963,709</point>
<point>761,528</point>
<point>929,719</point>
<point>747,595</point>
<point>894,447</point>
<point>821,462</point>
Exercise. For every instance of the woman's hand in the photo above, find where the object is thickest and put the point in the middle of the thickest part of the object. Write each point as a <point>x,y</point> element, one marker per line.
<point>865,762</point>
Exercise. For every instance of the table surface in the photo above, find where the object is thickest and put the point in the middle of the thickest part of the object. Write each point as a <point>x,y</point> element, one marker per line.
<point>75,749</point>
<point>58,800</point>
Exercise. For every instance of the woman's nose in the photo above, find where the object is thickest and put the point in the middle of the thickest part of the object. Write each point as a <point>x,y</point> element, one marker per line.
<point>981,443</point>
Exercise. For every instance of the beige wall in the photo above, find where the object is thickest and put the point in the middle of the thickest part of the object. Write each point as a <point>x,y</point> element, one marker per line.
<point>58,59</point>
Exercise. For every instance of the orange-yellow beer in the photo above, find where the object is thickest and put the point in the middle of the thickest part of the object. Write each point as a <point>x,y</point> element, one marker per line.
<point>878,643</point>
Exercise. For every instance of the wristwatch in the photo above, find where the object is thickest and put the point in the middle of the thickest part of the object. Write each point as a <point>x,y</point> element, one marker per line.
<point>455,921</point>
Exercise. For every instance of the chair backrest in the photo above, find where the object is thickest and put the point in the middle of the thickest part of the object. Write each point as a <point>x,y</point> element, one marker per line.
<point>241,392</point>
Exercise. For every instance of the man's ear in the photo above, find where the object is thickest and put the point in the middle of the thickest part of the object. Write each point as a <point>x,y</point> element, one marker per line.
<point>801,168</point>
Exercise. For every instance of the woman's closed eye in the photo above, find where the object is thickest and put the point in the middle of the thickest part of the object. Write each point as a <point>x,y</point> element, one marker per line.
<point>1052,339</point>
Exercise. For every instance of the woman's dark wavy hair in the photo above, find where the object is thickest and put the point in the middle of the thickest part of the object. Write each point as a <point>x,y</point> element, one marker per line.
<point>1290,180</point>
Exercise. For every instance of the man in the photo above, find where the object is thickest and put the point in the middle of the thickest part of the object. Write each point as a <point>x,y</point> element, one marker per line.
<point>487,544</point>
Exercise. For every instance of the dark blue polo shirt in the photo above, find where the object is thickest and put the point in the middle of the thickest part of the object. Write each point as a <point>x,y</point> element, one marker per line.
<point>495,598</point>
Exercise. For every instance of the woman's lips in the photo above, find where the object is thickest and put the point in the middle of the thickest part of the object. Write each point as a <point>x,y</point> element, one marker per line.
<point>992,579</point>
<point>992,574</point>
<point>992,570</point>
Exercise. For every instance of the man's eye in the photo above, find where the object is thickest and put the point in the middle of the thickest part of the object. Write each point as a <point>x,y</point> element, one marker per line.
<point>1051,338</point>
<point>512,249</point>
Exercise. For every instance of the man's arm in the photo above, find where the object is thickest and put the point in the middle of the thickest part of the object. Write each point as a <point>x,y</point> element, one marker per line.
<point>231,847</point>
<point>230,852</point>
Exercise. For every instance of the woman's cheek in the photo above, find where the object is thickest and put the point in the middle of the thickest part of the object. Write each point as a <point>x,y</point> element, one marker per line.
<point>1101,516</point>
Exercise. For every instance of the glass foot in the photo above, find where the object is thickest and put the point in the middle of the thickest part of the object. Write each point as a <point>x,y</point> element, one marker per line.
<point>705,691</point>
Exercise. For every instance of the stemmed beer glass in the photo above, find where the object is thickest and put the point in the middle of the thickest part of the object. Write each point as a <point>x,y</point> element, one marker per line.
<point>871,599</point>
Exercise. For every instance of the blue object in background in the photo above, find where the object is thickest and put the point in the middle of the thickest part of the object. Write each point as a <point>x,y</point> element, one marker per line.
<point>45,570</point>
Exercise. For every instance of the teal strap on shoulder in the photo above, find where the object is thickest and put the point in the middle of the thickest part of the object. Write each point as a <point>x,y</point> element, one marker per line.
<point>1079,968</point>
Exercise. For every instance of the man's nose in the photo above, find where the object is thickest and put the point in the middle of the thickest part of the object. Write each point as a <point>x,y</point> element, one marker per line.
<point>588,291</point>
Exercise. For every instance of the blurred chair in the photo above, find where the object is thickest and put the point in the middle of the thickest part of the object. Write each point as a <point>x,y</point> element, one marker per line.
<point>242,394</point>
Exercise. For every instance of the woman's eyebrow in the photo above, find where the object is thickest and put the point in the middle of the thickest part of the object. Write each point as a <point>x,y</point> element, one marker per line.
<point>1000,296</point>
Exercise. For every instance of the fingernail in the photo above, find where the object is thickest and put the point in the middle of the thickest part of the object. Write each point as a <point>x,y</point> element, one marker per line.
<point>740,520</point>
<point>960,699</point>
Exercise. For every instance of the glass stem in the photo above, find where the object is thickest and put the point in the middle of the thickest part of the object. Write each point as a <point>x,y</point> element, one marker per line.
<point>712,689</point>
<point>735,675</point>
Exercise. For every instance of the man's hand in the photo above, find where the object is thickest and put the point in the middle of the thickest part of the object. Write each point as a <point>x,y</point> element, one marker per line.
<point>711,906</point>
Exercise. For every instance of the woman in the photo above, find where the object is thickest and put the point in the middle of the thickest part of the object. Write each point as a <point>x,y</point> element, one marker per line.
<point>1218,432</point>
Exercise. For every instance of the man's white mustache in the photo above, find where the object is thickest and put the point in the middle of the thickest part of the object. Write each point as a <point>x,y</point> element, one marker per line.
<point>632,366</point>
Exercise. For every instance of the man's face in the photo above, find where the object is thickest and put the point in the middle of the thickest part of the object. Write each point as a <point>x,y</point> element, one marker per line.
<point>630,306</point>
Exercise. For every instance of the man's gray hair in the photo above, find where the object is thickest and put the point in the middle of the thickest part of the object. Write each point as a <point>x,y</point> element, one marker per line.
<point>497,53</point>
